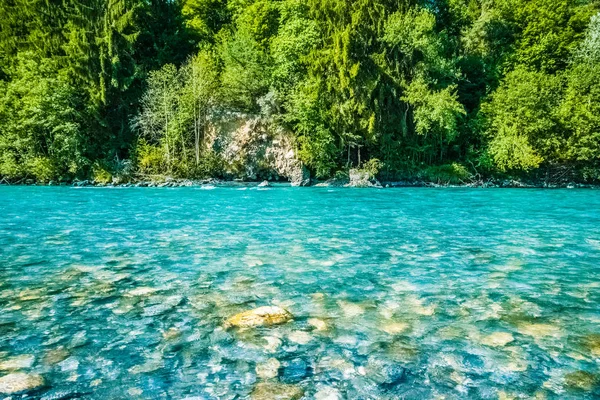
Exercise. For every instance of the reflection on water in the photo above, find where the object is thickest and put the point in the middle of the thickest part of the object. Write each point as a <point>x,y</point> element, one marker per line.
<point>412,294</point>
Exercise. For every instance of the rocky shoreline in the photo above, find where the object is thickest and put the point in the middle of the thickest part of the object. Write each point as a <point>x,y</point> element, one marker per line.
<point>338,183</point>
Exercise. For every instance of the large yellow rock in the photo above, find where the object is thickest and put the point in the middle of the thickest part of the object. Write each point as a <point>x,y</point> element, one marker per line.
<point>20,382</point>
<point>262,316</point>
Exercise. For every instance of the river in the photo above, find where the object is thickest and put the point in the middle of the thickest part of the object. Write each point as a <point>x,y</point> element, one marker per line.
<point>401,293</point>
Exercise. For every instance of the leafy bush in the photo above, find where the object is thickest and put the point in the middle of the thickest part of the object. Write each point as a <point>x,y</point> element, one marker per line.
<point>341,175</point>
<point>149,158</point>
<point>373,166</point>
<point>43,169</point>
<point>591,174</point>
<point>211,166</point>
<point>100,174</point>
<point>447,174</point>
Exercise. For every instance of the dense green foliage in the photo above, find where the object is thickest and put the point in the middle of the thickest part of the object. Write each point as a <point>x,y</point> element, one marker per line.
<point>438,89</point>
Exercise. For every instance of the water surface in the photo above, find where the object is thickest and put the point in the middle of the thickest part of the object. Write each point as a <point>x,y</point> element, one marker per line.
<point>408,293</point>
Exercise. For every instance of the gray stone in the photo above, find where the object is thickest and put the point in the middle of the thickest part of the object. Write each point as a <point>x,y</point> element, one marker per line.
<point>362,179</point>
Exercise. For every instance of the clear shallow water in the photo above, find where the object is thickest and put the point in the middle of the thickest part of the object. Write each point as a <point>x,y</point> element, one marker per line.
<point>412,293</point>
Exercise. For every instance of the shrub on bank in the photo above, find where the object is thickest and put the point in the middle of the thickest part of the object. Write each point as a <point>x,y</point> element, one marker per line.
<point>100,174</point>
<point>447,174</point>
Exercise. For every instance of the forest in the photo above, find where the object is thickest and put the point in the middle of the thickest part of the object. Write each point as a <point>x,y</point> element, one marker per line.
<point>405,88</point>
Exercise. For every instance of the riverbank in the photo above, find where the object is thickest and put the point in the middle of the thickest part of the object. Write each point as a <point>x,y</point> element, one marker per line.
<point>167,182</point>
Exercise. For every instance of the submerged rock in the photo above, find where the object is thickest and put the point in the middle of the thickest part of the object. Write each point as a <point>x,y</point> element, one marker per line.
<point>69,364</point>
<point>328,393</point>
<point>141,291</point>
<point>31,294</point>
<point>318,324</point>
<point>351,310</point>
<point>384,371</point>
<point>171,333</point>
<point>165,306</point>
<point>79,339</point>
<point>55,356</point>
<point>153,363</point>
<point>300,337</point>
<point>15,363</point>
<point>395,328</point>
<point>497,339</point>
<point>273,343</point>
<point>262,316</point>
<point>20,382</point>
<point>269,369</point>
<point>538,330</point>
<point>581,380</point>
<point>592,344</point>
<point>276,391</point>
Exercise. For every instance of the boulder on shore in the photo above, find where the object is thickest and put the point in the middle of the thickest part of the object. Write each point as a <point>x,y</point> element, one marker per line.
<point>362,179</point>
<point>262,316</point>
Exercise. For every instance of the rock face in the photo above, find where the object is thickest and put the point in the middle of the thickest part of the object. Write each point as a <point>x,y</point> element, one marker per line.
<point>362,179</point>
<point>20,382</point>
<point>254,148</point>
<point>262,316</point>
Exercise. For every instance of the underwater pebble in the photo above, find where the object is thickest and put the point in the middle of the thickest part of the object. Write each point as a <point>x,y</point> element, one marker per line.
<point>317,323</point>
<point>273,343</point>
<point>135,391</point>
<point>395,328</point>
<point>497,339</point>
<point>171,333</point>
<point>141,291</point>
<point>268,369</point>
<point>276,391</point>
<point>300,337</point>
<point>328,393</point>
<point>70,364</point>
<point>351,310</point>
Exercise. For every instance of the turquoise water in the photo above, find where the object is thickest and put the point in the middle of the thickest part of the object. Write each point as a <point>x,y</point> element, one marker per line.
<point>407,293</point>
